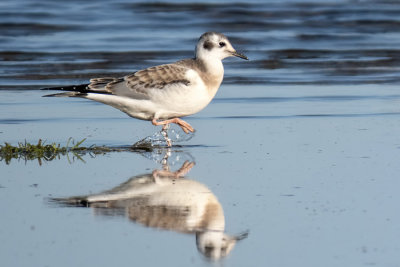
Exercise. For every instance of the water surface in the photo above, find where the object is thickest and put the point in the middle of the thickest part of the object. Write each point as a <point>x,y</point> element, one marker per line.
<point>298,152</point>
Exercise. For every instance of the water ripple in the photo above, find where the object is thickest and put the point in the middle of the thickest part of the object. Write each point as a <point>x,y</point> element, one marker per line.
<point>288,42</point>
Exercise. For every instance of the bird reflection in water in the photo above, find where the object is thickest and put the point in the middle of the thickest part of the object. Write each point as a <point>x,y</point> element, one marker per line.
<point>165,199</point>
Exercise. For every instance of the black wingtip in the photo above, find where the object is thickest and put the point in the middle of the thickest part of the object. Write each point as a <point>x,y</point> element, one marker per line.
<point>82,88</point>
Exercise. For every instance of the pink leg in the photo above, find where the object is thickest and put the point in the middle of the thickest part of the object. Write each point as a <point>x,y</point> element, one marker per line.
<point>183,124</point>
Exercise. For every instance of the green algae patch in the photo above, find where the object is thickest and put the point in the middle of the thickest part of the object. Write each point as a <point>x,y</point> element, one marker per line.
<point>73,151</point>
<point>48,152</point>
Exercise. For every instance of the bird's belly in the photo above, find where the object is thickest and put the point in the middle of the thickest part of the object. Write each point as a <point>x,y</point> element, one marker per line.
<point>136,108</point>
<point>179,103</point>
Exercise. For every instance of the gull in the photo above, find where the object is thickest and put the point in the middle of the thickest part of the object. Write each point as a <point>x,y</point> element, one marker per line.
<point>165,93</point>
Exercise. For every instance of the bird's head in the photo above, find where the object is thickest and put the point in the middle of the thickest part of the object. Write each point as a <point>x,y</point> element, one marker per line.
<point>213,45</point>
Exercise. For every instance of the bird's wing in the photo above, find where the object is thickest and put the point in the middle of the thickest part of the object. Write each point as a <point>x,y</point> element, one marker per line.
<point>139,84</point>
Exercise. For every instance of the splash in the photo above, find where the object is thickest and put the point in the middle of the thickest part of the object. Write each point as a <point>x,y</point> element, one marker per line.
<point>164,138</point>
<point>157,148</point>
<point>168,157</point>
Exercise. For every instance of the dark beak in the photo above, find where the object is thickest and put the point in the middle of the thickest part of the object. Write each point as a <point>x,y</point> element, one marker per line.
<point>236,54</point>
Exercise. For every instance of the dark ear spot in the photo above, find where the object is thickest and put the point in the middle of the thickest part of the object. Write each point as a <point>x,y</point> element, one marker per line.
<point>208,45</point>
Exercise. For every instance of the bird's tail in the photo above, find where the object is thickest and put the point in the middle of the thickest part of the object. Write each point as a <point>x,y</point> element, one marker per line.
<point>72,91</point>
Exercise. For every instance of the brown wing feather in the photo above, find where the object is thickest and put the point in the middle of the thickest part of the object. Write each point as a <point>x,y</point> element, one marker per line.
<point>138,84</point>
<point>156,77</point>
<point>101,84</point>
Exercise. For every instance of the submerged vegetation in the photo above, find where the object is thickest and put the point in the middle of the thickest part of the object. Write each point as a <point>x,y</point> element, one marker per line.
<point>75,150</point>
<point>47,152</point>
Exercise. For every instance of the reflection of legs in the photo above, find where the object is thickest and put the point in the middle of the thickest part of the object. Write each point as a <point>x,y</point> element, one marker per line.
<point>186,167</point>
<point>164,133</point>
<point>186,127</point>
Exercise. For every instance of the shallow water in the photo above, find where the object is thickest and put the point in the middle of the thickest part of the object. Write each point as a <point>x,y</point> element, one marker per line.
<point>298,152</point>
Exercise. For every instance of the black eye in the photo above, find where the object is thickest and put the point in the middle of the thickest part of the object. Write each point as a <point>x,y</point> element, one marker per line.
<point>222,44</point>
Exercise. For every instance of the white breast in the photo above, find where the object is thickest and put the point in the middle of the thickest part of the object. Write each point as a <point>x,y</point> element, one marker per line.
<point>182,100</point>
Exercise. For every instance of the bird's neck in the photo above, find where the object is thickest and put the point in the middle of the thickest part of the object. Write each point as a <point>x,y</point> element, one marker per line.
<point>213,71</point>
<point>212,66</point>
